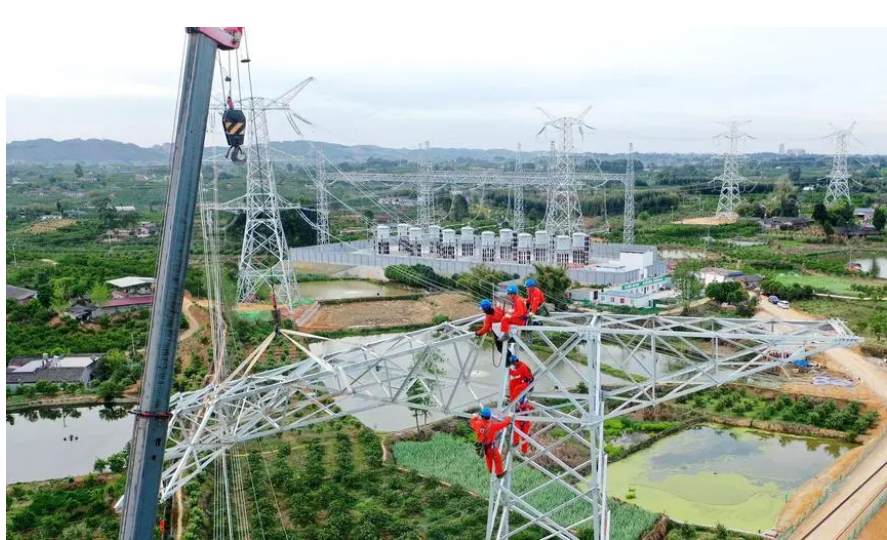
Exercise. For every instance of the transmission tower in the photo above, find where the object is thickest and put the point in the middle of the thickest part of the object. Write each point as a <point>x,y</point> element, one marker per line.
<point>518,189</point>
<point>425,189</point>
<point>730,178</point>
<point>838,186</point>
<point>264,256</point>
<point>563,214</point>
<point>323,201</point>
<point>628,220</point>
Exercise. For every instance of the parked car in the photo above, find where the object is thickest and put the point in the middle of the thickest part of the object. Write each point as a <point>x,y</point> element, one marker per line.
<point>783,304</point>
<point>774,299</point>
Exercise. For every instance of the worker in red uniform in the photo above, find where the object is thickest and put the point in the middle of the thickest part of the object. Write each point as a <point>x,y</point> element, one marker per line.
<point>486,430</point>
<point>519,315</point>
<point>520,377</point>
<point>494,315</point>
<point>535,296</point>
<point>523,426</point>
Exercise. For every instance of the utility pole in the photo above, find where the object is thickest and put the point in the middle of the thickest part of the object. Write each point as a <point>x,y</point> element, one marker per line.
<point>152,416</point>
<point>425,189</point>
<point>628,209</point>
<point>839,186</point>
<point>518,188</point>
<point>730,178</point>
<point>563,215</point>
<point>323,201</point>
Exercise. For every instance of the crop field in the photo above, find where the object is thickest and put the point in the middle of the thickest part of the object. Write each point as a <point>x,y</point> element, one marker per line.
<point>50,226</point>
<point>821,284</point>
<point>454,460</point>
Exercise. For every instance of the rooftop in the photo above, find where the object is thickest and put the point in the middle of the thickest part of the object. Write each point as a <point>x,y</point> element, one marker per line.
<point>18,293</point>
<point>133,301</point>
<point>130,281</point>
<point>720,272</point>
<point>76,361</point>
<point>50,375</point>
<point>624,294</point>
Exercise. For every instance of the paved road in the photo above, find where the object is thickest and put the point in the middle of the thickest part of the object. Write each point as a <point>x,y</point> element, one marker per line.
<point>827,522</point>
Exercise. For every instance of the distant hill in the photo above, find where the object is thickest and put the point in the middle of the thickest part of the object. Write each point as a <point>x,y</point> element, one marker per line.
<point>103,151</point>
<point>83,151</point>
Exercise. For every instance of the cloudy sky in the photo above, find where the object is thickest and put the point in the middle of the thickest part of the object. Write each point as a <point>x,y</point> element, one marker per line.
<point>473,79</point>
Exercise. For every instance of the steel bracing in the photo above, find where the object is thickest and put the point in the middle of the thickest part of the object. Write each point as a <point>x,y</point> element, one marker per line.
<point>664,358</point>
<point>839,178</point>
<point>425,189</point>
<point>563,214</point>
<point>321,189</point>
<point>628,208</point>
<point>264,255</point>
<point>730,178</point>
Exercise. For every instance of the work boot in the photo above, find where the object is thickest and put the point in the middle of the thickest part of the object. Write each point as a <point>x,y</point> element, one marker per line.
<point>501,475</point>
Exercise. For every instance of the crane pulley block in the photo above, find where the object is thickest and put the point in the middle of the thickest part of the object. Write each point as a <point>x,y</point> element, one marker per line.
<point>234,122</point>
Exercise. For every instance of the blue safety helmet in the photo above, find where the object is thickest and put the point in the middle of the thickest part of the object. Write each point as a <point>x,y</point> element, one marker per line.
<point>486,413</point>
<point>485,304</point>
<point>530,283</point>
<point>510,359</point>
<point>512,289</point>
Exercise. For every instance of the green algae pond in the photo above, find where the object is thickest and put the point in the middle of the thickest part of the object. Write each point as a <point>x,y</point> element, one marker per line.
<point>712,474</point>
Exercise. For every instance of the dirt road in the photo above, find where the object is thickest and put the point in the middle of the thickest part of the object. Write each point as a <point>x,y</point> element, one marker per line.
<point>836,517</point>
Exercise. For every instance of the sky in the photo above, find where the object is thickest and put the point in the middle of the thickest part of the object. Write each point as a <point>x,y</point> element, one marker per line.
<point>473,79</point>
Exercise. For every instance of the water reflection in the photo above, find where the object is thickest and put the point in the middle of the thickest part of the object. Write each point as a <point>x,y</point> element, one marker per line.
<point>60,442</point>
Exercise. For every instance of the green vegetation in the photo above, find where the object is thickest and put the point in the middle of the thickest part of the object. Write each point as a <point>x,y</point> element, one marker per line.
<point>791,292</point>
<point>866,318</point>
<point>454,460</point>
<point>827,414</point>
<point>554,281</point>
<point>64,508</point>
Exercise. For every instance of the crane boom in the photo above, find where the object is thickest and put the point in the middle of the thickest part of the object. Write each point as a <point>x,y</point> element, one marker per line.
<point>152,415</point>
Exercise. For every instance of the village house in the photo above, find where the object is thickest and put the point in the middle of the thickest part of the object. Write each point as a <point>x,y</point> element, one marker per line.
<point>20,294</point>
<point>74,368</point>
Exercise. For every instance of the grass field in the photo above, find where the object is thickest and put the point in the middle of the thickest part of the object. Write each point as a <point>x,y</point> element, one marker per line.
<point>821,284</point>
<point>855,313</point>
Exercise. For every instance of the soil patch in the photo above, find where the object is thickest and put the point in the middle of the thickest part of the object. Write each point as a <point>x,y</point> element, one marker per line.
<point>391,312</point>
<point>711,220</point>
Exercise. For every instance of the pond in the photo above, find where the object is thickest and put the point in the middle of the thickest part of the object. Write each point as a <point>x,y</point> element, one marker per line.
<point>709,474</point>
<point>348,288</point>
<point>867,265</point>
<point>36,448</point>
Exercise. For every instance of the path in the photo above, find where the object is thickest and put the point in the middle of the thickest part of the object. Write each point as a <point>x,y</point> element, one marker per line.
<point>835,518</point>
<point>193,323</point>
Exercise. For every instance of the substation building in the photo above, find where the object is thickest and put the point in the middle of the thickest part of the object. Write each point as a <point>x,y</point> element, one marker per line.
<point>449,251</point>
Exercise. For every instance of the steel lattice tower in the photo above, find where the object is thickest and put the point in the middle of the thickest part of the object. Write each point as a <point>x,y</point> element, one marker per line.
<point>730,178</point>
<point>563,215</point>
<point>838,186</point>
<point>264,256</point>
<point>424,189</point>
<point>518,189</point>
<point>628,210</point>
<point>323,201</point>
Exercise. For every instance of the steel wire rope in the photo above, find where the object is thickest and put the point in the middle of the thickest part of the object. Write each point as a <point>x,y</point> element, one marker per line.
<point>255,495</point>
<point>274,495</point>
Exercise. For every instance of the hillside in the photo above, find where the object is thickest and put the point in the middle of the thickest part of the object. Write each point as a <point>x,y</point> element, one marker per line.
<point>83,151</point>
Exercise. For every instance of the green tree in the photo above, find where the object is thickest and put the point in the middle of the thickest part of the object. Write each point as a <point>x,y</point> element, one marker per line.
<point>480,280</point>
<point>554,282</point>
<point>99,294</point>
<point>416,398</point>
<point>109,390</point>
<point>784,198</point>
<point>315,470</point>
<point>820,213</point>
<point>879,220</point>
<point>78,170</point>
<point>117,462</point>
<point>686,282</point>
<point>100,465</point>
<point>878,324</point>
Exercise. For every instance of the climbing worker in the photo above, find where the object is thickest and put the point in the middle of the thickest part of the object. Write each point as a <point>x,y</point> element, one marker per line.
<point>522,425</point>
<point>486,430</point>
<point>518,315</point>
<point>520,377</point>
<point>535,296</point>
<point>492,322</point>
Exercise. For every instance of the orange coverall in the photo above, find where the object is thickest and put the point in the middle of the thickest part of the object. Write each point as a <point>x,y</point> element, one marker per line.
<point>495,317</point>
<point>535,298</point>
<point>519,377</point>
<point>486,431</point>
<point>519,315</point>
<point>523,425</point>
